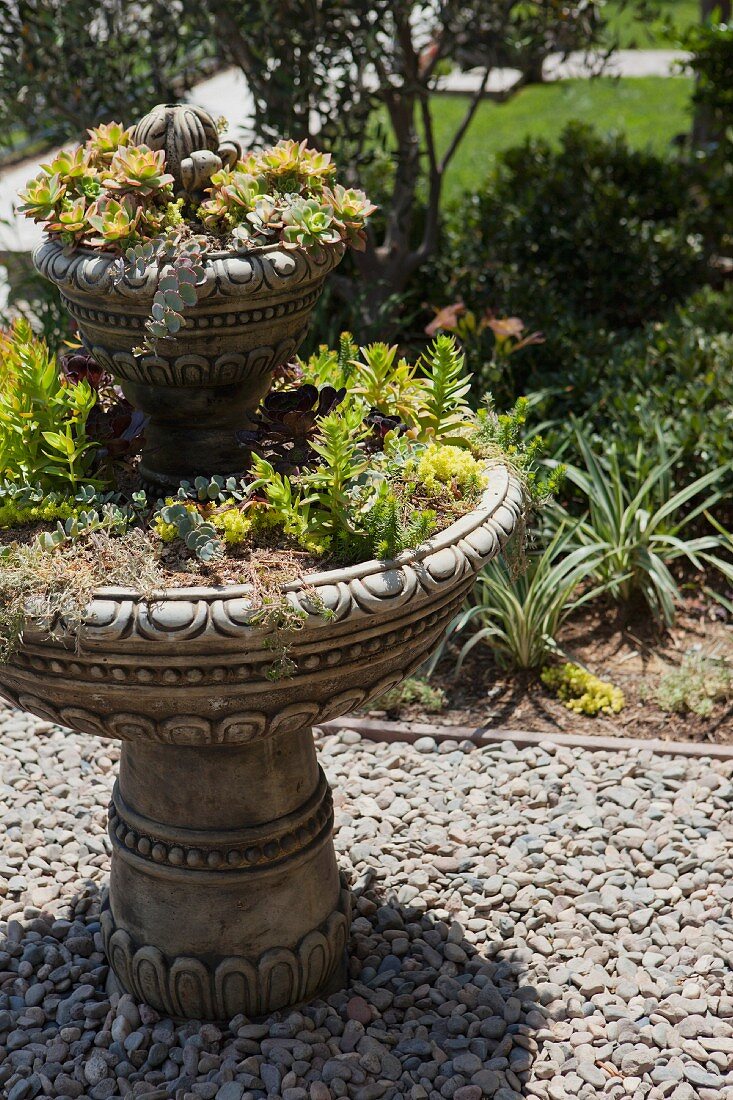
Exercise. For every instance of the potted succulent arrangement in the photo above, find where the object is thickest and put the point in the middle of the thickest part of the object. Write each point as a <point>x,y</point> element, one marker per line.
<point>209,546</point>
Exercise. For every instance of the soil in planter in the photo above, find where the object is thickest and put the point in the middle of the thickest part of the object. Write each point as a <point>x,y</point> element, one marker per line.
<point>631,654</point>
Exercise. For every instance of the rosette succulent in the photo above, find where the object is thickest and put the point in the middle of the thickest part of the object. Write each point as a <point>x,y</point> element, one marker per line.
<point>113,194</point>
<point>117,195</point>
<point>308,224</point>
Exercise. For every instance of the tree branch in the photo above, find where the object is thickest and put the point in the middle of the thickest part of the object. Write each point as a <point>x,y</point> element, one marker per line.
<point>465,123</point>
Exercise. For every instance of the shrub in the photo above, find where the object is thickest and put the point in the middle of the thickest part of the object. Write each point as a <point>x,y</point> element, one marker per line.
<point>672,377</point>
<point>521,616</point>
<point>592,235</point>
<point>583,692</point>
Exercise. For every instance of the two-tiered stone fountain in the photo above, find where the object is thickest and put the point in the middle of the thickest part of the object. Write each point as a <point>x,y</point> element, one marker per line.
<point>224,893</point>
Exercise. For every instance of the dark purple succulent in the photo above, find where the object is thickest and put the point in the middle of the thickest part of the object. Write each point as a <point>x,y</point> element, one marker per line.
<point>118,428</point>
<point>381,425</point>
<point>79,366</point>
<point>289,374</point>
<point>295,413</point>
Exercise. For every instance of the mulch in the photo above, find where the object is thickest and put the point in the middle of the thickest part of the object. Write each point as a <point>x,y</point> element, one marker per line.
<point>625,649</point>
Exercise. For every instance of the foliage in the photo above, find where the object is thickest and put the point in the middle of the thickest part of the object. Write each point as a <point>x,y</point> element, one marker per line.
<point>443,406</point>
<point>671,379</point>
<point>43,418</point>
<point>363,75</point>
<point>428,395</point>
<point>581,691</point>
<point>521,616</point>
<point>186,523</point>
<point>180,267</point>
<point>490,342</point>
<point>593,233</point>
<point>333,476</point>
<point>711,48</point>
<point>414,691</point>
<point>696,686</point>
<point>68,65</point>
<point>639,525</point>
<point>393,524</point>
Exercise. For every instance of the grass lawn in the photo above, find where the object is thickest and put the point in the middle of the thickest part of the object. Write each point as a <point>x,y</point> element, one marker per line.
<point>662,33</point>
<point>649,111</point>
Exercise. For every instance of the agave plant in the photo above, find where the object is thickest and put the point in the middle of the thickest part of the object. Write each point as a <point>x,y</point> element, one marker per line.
<point>639,523</point>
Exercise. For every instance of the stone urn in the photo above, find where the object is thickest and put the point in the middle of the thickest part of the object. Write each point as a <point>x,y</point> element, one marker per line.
<point>201,386</point>
<point>225,894</point>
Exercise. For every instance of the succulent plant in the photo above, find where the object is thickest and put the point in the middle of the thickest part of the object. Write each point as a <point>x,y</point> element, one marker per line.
<point>68,164</point>
<point>351,208</point>
<point>105,140</point>
<point>290,165</point>
<point>41,197</point>
<point>71,220</point>
<point>115,222</point>
<point>111,193</point>
<point>308,224</point>
<point>381,425</point>
<point>137,169</point>
<point>78,366</point>
<point>295,413</point>
<point>181,266</point>
<point>265,219</point>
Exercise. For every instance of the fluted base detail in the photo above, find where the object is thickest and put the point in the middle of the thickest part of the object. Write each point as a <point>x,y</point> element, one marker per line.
<point>221,988</point>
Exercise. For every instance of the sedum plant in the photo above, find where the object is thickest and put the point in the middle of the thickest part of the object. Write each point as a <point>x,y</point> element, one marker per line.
<point>581,691</point>
<point>43,417</point>
<point>699,684</point>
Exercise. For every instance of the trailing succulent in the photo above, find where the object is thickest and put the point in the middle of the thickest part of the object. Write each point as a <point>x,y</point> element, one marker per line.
<point>115,196</point>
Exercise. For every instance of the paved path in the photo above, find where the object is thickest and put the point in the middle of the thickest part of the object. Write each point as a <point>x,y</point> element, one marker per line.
<point>227,94</point>
<point>542,923</point>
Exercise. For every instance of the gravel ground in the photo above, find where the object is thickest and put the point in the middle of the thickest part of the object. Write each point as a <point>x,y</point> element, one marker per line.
<point>528,923</point>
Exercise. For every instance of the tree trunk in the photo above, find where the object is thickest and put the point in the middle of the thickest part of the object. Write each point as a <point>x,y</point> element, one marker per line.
<point>703,125</point>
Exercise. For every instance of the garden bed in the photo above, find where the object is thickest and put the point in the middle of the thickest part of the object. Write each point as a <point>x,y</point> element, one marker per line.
<point>631,654</point>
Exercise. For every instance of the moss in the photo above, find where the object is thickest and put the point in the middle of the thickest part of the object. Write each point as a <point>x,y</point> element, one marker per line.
<point>583,692</point>
<point>54,587</point>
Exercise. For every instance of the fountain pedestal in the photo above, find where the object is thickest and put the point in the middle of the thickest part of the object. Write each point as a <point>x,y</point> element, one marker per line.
<point>224,891</point>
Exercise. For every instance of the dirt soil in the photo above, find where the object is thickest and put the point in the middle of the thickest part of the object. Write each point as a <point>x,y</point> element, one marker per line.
<point>631,654</point>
